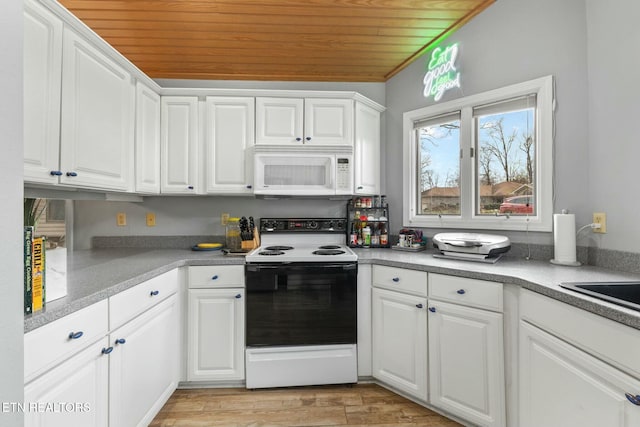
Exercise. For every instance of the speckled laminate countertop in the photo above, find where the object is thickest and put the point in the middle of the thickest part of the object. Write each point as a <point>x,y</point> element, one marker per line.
<point>94,275</point>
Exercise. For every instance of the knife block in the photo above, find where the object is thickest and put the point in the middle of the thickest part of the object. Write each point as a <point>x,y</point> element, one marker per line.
<point>251,244</point>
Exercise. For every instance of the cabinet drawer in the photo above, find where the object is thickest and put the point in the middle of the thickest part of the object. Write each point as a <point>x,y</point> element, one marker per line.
<point>399,279</point>
<point>471,292</point>
<point>51,344</point>
<point>128,304</point>
<point>216,276</point>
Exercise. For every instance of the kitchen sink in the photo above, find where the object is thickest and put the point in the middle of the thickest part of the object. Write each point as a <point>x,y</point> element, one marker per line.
<point>626,294</point>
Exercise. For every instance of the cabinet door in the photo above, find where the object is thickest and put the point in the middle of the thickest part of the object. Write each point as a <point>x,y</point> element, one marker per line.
<point>74,394</point>
<point>561,386</point>
<point>144,365</point>
<point>399,341</point>
<point>147,140</point>
<point>279,120</point>
<point>466,363</point>
<point>229,133</point>
<point>179,142</point>
<point>42,85</point>
<point>216,335</point>
<point>328,121</point>
<point>367,150</point>
<point>97,135</point>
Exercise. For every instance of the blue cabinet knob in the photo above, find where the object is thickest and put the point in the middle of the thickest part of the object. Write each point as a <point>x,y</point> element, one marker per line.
<point>249,186</point>
<point>239,296</point>
<point>432,309</point>
<point>308,138</point>
<point>633,399</point>
<point>461,291</point>
<point>154,293</point>
<point>107,350</point>
<point>396,279</point>
<point>121,341</point>
<point>56,173</point>
<point>215,277</point>
<point>75,335</point>
<point>72,174</point>
<point>190,187</point>
<point>298,139</point>
<point>419,305</point>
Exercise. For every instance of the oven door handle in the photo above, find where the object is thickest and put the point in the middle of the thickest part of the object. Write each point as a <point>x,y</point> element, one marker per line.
<point>289,266</point>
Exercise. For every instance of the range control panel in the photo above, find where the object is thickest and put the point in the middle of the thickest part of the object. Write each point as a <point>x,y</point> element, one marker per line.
<point>293,225</point>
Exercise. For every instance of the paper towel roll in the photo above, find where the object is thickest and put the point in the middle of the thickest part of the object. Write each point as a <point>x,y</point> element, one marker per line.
<point>564,239</point>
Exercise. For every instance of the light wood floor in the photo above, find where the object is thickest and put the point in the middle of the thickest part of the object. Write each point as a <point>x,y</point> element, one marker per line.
<point>360,405</point>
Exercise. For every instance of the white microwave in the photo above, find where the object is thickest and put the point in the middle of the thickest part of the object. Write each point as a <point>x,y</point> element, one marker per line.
<point>303,171</point>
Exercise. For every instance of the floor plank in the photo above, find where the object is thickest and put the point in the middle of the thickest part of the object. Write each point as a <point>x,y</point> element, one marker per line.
<point>359,405</point>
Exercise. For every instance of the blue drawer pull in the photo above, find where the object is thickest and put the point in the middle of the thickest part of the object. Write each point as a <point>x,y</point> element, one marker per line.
<point>121,341</point>
<point>419,305</point>
<point>633,399</point>
<point>215,277</point>
<point>56,173</point>
<point>308,138</point>
<point>249,186</point>
<point>396,279</point>
<point>461,291</point>
<point>239,296</point>
<point>298,139</point>
<point>432,309</point>
<point>75,335</point>
<point>190,187</point>
<point>107,350</point>
<point>154,293</point>
<point>72,174</point>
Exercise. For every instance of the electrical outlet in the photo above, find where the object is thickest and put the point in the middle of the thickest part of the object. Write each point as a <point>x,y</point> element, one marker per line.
<point>224,218</point>
<point>121,219</point>
<point>600,218</point>
<point>151,219</point>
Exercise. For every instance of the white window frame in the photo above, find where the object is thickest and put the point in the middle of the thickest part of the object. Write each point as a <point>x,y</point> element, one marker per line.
<point>468,219</point>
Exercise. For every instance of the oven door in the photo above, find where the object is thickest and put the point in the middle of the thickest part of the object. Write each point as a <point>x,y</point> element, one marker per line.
<point>301,304</point>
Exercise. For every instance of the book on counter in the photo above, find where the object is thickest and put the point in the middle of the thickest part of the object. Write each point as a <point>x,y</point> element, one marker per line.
<point>34,271</point>
<point>28,275</point>
<point>38,271</point>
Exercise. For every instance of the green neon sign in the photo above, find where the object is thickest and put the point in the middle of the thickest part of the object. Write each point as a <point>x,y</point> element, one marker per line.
<point>442,74</point>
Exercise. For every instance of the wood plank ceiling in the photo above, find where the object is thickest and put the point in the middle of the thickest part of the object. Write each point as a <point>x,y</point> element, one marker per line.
<point>288,40</point>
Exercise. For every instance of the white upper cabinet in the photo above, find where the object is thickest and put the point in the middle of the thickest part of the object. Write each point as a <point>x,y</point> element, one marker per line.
<point>147,140</point>
<point>97,118</point>
<point>42,86</point>
<point>367,150</point>
<point>279,120</point>
<point>229,133</point>
<point>313,121</point>
<point>328,121</point>
<point>179,142</point>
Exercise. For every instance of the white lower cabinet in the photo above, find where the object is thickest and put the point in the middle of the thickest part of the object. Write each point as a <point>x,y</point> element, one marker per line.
<point>399,339</point>
<point>80,372</point>
<point>74,394</point>
<point>561,385</point>
<point>215,323</point>
<point>466,368</point>
<point>575,368</point>
<point>143,366</point>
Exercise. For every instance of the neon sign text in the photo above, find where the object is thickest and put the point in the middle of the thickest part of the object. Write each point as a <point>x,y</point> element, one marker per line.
<point>442,74</point>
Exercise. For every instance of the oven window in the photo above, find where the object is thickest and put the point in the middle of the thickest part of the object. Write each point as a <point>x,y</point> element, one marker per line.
<point>301,305</point>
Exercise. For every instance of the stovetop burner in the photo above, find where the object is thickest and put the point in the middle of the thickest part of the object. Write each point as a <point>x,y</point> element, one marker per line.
<point>270,252</point>
<point>328,252</point>
<point>329,247</point>
<point>278,248</point>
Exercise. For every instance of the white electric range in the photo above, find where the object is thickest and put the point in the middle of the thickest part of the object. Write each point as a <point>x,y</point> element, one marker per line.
<point>301,326</point>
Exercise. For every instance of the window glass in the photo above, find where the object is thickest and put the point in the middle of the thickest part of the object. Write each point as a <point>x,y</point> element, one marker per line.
<point>439,165</point>
<point>505,161</point>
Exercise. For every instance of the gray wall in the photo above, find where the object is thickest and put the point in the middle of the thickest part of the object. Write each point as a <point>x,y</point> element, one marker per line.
<point>510,42</point>
<point>11,300</point>
<point>614,145</point>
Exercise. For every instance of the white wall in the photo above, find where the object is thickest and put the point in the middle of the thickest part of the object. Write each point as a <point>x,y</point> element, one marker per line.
<point>614,111</point>
<point>11,293</point>
<point>510,42</point>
